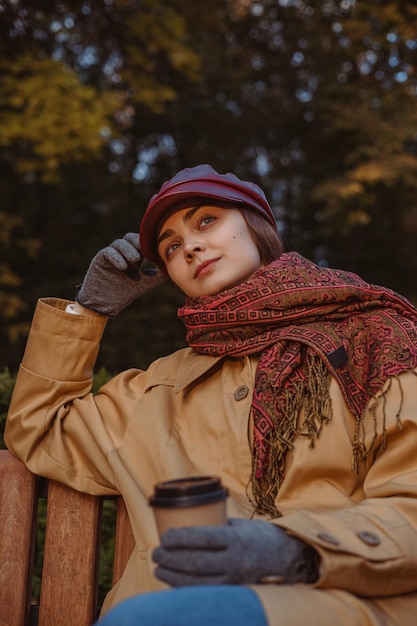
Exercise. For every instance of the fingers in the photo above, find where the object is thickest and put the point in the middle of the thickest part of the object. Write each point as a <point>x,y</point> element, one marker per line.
<point>192,555</point>
<point>133,239</point>
<point>128,247</point>
<point>179,579</point>
<point>194,562</point>
<point>195,537</point>
<point>123,253</point>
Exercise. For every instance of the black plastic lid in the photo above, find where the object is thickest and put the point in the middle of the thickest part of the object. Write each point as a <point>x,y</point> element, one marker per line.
<point>190,491</point>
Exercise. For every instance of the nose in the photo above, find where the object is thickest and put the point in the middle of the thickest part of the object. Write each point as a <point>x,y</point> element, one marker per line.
<point>191,247</point>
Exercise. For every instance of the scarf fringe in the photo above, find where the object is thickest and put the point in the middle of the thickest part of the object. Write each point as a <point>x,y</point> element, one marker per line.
<point>360,451</point>
<point>313,395</point>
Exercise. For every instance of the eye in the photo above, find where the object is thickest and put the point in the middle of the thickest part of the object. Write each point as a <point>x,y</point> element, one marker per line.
<point>169,250</point>
<point>206,220</point>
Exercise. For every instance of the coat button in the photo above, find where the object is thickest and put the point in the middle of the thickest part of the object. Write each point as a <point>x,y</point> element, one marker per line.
<point>371,539</point>
<point>328,538</point>
<point>241,392</point>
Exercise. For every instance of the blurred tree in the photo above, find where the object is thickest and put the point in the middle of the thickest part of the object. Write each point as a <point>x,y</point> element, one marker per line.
<point>12,302</point>
<point>314,101</point>
<point>317,101</point>
<point>48,117</point>
<point>71,77</point>
<point>359,165</point>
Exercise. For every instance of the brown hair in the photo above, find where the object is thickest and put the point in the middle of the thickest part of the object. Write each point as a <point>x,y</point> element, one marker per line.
<point>265,237</point>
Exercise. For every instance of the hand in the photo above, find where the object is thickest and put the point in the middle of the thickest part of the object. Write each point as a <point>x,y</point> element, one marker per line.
<point>244,551</point>
<point>114,278</point>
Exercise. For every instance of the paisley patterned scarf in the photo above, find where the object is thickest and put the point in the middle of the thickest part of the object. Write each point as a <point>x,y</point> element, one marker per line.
<point>307,324</point>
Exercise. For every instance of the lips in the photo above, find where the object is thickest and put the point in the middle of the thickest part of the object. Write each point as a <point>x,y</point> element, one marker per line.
<point>201,269</point>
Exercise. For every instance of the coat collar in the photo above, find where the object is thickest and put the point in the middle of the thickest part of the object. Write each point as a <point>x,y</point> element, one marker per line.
<point>192,367</point>
<point>180,369</point>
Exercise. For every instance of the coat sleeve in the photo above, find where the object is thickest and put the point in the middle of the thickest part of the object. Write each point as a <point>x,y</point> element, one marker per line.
<point>55,425</point>
<point>370,548</point>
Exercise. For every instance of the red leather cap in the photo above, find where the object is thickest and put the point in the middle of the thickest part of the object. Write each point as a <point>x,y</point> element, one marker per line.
<point>197,183</point>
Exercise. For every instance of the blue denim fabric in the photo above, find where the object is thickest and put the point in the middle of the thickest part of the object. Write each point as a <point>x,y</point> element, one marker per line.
<point>226,605</point>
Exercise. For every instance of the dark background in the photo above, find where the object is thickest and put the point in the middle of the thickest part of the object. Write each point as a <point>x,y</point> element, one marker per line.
<point>100,102</point>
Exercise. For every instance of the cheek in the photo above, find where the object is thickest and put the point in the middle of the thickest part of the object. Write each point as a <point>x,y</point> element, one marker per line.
<point>244,244</point>
<point>240,237</point>
<point>243,241</point>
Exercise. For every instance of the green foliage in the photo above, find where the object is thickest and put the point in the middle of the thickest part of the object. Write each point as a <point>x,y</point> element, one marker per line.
<point>101,377</point>
<point>38,556</point>
<point>50,115</point>
<point>154,41</point>
<point>7,381</point>
<point>55,109</point>
<point>12,302</point>
<point>107,543</point>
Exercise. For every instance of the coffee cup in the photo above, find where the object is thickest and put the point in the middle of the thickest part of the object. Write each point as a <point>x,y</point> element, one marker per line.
<point>189,501</point>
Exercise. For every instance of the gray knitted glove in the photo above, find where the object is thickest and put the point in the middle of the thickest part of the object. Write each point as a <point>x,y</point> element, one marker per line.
<point>244,551</point>
<point>114,278</point>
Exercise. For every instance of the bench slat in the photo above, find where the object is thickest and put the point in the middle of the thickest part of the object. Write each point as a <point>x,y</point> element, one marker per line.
<point>17,510</point>
<point>69,586</point>
<point>70,566</point>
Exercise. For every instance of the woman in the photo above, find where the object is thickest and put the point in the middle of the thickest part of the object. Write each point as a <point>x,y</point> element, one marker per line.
<point>298,389</point>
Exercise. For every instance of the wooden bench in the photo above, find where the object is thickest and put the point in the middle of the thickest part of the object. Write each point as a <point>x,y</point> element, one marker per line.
<point>69,586</point>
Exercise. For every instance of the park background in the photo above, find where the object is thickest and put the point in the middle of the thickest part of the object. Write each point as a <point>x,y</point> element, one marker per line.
<point>102,101</point>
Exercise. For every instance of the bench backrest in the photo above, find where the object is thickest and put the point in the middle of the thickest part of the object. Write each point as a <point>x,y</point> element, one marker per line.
<point>69,587</point>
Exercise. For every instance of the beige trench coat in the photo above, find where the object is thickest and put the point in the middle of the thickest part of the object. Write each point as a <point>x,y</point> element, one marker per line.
<point>190,414</point>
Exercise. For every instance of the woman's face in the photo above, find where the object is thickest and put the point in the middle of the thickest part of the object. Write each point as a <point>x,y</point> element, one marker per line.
<point>207,249</point>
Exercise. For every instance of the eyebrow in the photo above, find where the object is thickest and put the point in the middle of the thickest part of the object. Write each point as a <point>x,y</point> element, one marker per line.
<point>187,217</point>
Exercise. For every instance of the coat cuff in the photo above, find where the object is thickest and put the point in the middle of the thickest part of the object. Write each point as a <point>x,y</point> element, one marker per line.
<point>357,554</point>
<point>62,346</point>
